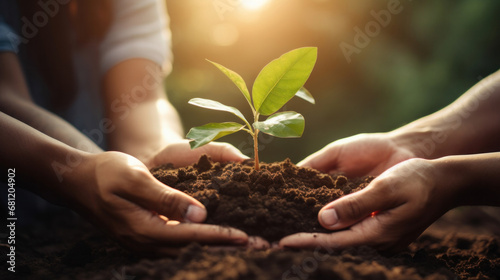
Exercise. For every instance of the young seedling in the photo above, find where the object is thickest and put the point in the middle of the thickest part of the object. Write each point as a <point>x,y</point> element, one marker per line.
<point>279,81</point>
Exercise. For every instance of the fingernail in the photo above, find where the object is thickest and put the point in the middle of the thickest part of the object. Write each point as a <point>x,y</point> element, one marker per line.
<point>195,214</point>
<point>329,217</point>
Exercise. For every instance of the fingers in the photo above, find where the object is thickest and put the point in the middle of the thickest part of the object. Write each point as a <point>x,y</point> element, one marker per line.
<point>180,154</point>
<point>253,242</point>
<point>222,152</point>
<point>174,204</point>
<point>324,160</point>
<point>377,232</point>
<point>146,232</point>
<point>367,232</point>
<point>154,236</point>
<point>352,208</point>
<point>207,234</point>
<point>258,243</point>
<point>336,240</point>
<point>151,194</point>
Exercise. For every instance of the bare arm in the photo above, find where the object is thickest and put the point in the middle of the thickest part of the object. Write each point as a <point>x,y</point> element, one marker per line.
<point>136,104</point>
<point>425,169</point>
<point>16,102</point>
<point>146,124</point>
<point>469,125</point>
<point>408,198</point>
<point>113,190</point>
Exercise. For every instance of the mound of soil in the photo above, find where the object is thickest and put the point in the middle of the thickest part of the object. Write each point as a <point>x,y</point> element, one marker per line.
<point>463,244</point>
<point>278,200</point>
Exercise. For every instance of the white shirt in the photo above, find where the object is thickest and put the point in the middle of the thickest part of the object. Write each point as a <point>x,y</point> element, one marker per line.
<point>139,30</point>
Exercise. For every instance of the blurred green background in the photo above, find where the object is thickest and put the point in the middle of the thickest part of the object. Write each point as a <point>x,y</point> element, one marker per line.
<point>424,58</point>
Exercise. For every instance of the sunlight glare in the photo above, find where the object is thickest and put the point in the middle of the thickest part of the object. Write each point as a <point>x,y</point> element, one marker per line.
<point>253,4</point>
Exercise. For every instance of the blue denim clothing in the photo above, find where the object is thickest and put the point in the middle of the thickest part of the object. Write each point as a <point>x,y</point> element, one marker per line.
<point>27,203</point>
<point>84,113</point>
<point>9,41</point>
<point>9,26</point>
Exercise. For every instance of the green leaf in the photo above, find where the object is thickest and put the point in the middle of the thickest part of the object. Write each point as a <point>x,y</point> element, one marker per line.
<point>205,134</point>
<point>282,78</point>
<point>236,78</point>
<point>215,105</point>
<point>306,95</point>
<point>284,124</point>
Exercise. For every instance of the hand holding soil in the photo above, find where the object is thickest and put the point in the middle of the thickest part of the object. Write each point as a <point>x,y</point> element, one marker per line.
<point>180,154</point>
<point>125,200</point>
<point>391,212</point>
<point>402,202</point>
<point>359,155</point>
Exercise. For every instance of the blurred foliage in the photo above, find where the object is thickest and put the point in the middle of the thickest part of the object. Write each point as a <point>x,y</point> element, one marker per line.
<point>427,56</point>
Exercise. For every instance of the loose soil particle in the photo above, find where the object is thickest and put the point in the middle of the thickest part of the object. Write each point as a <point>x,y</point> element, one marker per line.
<point>278,200</point>
<point>464,244</point>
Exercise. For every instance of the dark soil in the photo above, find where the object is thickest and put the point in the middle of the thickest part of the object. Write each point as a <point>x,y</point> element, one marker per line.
<point>278,200</point>
<point>463,244</point>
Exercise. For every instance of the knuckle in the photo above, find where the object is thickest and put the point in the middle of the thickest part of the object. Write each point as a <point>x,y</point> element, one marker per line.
<point>170,202</point>
<point>138,175</point>
<point>352,208</point>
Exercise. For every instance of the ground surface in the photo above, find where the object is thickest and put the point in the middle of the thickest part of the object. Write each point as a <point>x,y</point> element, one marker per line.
<point>278,200</point>
<point>463,244</point>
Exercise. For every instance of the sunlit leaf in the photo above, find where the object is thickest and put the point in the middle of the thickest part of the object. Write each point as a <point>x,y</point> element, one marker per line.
<point>215,105</point>
<point>284,124</point>
<point>204,134</point>
<point>236,78</point>
<point>282,78</point>
<point>306,95</point>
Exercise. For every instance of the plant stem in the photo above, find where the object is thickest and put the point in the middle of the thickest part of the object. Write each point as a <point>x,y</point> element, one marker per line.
<point>256,148</point>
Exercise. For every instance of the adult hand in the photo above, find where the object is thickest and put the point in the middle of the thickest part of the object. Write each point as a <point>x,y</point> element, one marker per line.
<point>180,154</point>
<point>359,155</point>
<point>118,193</point>
<point>407,198</point>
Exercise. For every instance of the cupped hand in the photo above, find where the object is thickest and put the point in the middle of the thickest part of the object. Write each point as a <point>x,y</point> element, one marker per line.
<point>388,214</point>
<point>359,155</point>
<point>180,154</point>
<point>118,193</point>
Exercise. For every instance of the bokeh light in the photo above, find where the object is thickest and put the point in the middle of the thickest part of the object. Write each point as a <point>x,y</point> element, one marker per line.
<point>225,34</point>
<point>253,4</point>
<point>416,64</point>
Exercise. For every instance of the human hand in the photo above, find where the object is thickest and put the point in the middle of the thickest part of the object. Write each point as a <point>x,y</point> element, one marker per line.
<point>180,154</point>
<point>359,155</point>
<point>404,201</point>
<point>117,192</point>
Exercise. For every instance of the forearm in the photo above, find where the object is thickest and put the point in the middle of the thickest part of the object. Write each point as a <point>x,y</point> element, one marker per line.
<point>469,125</point>
<point>39,157</point>
<point>15,101</point>
<point>472,179</point>
<point>47,123</point>
<point>136,104</point>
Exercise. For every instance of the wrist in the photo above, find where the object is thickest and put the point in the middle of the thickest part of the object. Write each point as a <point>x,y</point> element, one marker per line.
<point>454,180</point>
<point>423,142</point>
<point>474,177</point>
<point>62,171</point>
<point>76,175</point>
<point>145,149</point>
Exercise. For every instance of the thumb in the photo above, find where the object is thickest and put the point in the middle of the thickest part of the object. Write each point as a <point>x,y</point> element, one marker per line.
<point>222,152</point>
<point>324,160</point>
<point>169,202</point>
<point>352,208</point>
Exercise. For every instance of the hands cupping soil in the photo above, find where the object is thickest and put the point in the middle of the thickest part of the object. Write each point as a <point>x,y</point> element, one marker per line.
<point>279,200</point>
